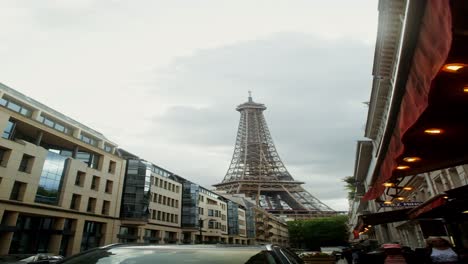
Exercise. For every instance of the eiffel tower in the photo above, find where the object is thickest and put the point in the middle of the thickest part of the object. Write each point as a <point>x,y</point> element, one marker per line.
<point>257,171</point>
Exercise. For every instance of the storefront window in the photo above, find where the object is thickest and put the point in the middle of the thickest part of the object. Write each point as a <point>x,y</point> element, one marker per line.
<point>92,234</point>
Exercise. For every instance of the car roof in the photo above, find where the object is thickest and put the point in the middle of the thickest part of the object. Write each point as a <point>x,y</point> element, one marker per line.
<point>196,246</point>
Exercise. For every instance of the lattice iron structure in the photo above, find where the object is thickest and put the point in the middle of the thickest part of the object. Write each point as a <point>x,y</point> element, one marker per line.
<point>257,171</point>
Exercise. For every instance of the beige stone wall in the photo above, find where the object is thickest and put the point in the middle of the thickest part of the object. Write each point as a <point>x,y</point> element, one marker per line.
<point>165,206</point>
<point>207,203</point>
<point>270,229</point>
<point>110,169</point>
<point>242,223</point>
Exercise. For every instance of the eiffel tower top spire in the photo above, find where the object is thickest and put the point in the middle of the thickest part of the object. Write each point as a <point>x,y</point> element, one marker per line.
<point>250,104</point>
<point>257,170</point>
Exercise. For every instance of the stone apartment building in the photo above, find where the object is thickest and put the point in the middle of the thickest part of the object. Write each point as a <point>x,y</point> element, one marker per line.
<point>151,204</point>
<point>410,173</point>
<point>60,181</point>
<point>65,188</point>
<point>261,227</point>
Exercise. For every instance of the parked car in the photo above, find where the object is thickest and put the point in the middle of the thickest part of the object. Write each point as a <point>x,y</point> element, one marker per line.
<point>41,258</point>
<point>334,251</point>
<point>150,254</point>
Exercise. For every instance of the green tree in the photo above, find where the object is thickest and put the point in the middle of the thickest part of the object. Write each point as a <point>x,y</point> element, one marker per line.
<point>350,186</point>
<point>317,232</point>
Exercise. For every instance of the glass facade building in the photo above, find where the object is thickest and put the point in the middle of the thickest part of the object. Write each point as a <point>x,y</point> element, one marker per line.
<point>233,218</point>
<point>250,220</point>
<point>50,182</point>
<point>190,216</point>
<point>136,190</point>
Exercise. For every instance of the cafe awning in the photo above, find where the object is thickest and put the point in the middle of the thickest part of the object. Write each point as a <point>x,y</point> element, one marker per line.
<point>429,205</point>
<point>450,205</point>
<point>430,108</point>
<point>366,220</point>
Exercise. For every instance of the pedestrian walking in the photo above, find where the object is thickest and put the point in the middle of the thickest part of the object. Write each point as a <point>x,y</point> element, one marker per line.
<point>440,251</point>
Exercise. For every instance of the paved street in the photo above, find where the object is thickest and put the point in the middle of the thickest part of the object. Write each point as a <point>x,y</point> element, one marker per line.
<point>341,261</point>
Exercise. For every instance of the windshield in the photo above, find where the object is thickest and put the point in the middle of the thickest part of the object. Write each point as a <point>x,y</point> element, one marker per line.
<point>129,255</point>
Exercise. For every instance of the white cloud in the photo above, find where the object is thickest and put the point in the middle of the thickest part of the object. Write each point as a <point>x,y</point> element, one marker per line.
<point>162,78</point>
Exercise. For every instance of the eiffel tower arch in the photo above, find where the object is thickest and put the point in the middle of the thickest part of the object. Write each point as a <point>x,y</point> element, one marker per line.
<point>257,171</point>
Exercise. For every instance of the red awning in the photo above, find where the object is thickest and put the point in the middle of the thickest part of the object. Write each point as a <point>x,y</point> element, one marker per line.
<point>432,98</point>
<point>373,219</point>
<point>427,206</point>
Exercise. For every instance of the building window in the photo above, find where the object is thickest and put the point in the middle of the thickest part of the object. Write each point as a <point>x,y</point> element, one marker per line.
<point>105,208</point>
<point>75,202</point>
<point>88,139</point>
<point>209,201</point>
<point>112,165</point>
<point>95,183</point>
<point>177,189</point>
<point>17,193</point>
<point>26,163</point>
<point>92,160</point>
<point>210,212</point>
<point>128,234</point>
<point>16,107</point>
<point>159,215</point>
<point>211,224</point>
<point>4,156</point>
<point>80,178</point>
<point>9,130</point>
<point>50,182</point>
<point>54,124</point>
<point>91,205</point>
<point>107,148</point>
<point>92,233</point>
<point>109,186</point>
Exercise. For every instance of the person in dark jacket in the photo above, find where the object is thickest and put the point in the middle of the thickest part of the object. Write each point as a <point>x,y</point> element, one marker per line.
<point>348,255</point>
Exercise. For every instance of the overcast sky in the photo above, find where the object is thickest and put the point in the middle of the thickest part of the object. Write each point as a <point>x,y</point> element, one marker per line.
<point>162,78</point>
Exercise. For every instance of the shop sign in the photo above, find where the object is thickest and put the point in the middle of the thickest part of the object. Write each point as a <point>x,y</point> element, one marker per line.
<point>402,204</point>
